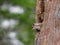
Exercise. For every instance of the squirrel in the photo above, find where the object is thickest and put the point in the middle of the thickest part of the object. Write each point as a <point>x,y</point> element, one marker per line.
<point>39,15</point>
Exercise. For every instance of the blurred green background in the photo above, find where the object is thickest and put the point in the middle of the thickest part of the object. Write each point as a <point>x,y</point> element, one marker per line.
<point>16,19</point>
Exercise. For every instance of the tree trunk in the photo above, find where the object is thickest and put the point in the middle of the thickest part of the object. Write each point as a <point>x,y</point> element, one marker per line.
<point>50,31</point>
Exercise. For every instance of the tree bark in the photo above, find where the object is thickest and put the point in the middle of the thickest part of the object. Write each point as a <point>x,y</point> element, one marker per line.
<point>50,31</point>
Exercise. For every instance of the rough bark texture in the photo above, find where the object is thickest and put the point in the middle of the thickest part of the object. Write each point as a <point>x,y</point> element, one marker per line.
<point>50,31</point>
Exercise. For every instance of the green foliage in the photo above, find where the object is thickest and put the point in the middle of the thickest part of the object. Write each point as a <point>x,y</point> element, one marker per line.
<point>25,20</point>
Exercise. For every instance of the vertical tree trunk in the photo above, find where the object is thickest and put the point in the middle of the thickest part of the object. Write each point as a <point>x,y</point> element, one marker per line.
<point>50,30</point>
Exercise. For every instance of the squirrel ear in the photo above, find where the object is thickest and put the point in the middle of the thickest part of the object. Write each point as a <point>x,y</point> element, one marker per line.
<point>41,19</point>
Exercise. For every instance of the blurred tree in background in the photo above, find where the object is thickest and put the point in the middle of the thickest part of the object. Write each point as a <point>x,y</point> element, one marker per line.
<point>16,19</point>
